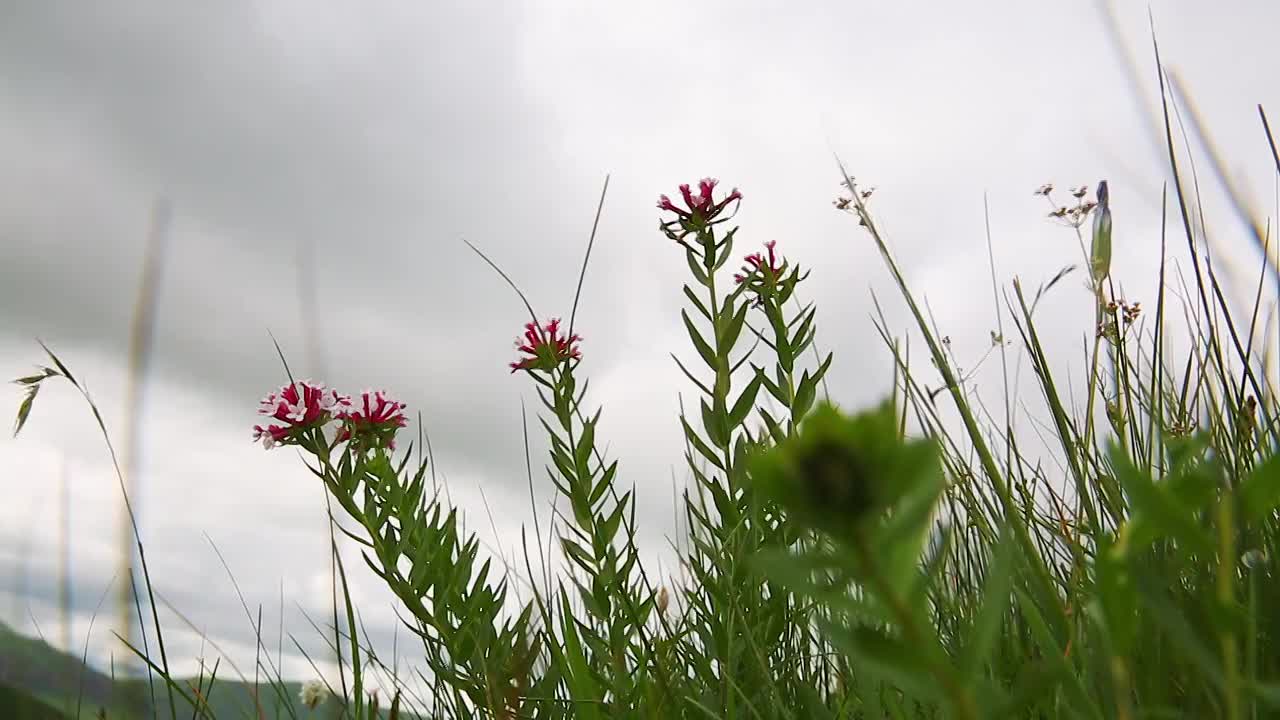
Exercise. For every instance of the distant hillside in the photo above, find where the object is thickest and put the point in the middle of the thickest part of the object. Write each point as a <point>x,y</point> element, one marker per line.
<point>31,665</point>
<point>18,705</point>
<point>37,676</point>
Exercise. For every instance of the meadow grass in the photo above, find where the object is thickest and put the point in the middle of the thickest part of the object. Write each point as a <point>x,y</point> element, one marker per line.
<point>1109,554</point>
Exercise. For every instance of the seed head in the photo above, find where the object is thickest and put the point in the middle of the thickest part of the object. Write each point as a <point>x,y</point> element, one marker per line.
<point>313,693</point>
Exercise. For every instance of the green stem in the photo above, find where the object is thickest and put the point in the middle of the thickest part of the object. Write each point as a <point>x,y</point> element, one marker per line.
<point>960,698</point>
<point>1226,598</point>
<point>1087,441</point>
<point>1000,483</point>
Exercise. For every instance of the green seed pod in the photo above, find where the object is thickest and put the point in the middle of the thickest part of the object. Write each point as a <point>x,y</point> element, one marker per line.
<point>1100,255</point>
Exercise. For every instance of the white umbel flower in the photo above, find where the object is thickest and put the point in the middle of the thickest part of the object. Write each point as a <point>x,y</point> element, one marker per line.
<point>313,693</point>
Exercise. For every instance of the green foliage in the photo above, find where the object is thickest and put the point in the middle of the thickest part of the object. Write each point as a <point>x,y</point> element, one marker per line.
<point>840,474</point>
<point>917,559</point>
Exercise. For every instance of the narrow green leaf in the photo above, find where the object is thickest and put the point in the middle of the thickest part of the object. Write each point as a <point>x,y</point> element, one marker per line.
<point>1052,651</point>
<point>695,267</point>
<point>578,675</point>
<point>994,604</point>
<point>578,554</point>
<point>713,423</point>
<point>699,445</point>
<point>1034,683</point>
<point>606,479</point>
<point>724,506</point>
<point>708,355</point>
<point>586,444</point>
<point>726,249</point>
<point>775,430</point>
<point>1158,606</point>
<point>805,395</point>
<point>734,328</point>
<point>888,657</point>
<point>565,467</point>
<point>822,369</point>
<point>786,569</point>
<point>777,391</point>
<point>1117,598</point>
<point>800,337</point>
<point>746,400</point>
<point>1259,492</point>
<point>1156,505</point>
<point>609,528</point>
<point>705,390</point>
<point>693,298</point>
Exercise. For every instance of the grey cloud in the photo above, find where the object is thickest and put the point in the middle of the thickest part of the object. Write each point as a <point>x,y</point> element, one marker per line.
<point>392,152</point>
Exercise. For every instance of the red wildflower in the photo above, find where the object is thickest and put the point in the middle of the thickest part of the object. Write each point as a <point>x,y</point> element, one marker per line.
<point>301,406</point>
<point>545,347</point>
<point>372,421</point>
<point>758,262</point>
<point>700,206</point>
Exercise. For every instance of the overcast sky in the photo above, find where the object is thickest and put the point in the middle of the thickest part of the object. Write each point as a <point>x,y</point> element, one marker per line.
<point>375,136</point>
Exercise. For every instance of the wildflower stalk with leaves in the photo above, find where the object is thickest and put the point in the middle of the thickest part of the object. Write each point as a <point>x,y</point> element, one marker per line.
<point>751,625</point>
<point>479,657</point>
<point>604,655</point>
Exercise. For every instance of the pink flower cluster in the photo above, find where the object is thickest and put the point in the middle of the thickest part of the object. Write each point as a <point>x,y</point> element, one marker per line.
<point>700,207</point>
<point>545,347</point>
<point>372,421</point>
<point>306,405</point>
<point>758,262</point>
<point>301,406</point>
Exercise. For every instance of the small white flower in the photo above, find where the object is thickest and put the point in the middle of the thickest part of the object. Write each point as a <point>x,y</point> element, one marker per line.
<point>313,693</point>
<point>265,437</point>
<point>1254,559</point>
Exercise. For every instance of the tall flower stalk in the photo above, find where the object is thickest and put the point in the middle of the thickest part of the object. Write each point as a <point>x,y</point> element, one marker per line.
<point>746,622</point>
<point>615,650</point>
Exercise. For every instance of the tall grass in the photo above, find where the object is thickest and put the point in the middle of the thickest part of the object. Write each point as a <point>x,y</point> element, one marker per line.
<point>925,558</point>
